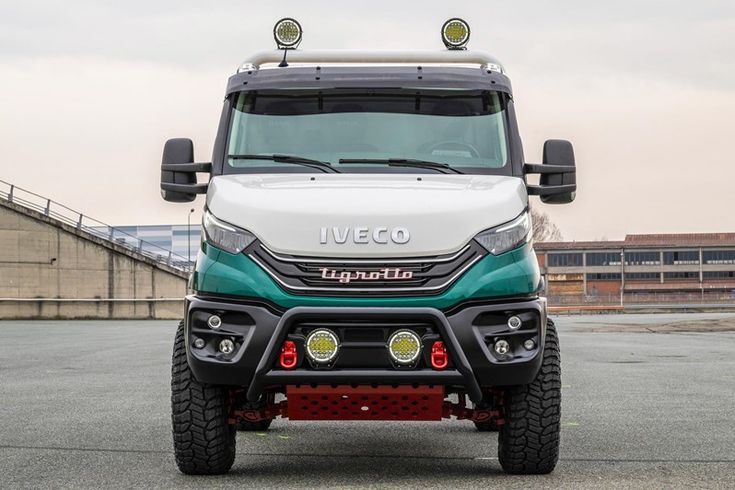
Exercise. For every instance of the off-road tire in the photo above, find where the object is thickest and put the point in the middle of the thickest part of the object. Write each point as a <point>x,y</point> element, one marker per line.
<point>528,442</point>
<point>204,442</point>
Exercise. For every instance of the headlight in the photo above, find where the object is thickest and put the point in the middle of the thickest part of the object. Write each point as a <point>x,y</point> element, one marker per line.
<point>506,237</point>
<point>225,236</point>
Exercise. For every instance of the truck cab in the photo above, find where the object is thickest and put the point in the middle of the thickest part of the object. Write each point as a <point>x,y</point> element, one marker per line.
<point>367,252</point>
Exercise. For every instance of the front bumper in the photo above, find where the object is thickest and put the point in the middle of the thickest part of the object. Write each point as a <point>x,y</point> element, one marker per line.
<point>468,333</point>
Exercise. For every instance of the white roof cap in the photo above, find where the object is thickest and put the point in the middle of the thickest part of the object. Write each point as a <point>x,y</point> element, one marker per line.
<point>354,57</point>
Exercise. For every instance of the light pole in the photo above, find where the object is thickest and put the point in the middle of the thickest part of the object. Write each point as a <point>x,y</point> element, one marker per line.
<point>188,234</point>
<point>622,275</point>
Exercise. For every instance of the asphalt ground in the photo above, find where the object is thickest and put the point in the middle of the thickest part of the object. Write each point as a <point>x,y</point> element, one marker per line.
<point>648,402</point>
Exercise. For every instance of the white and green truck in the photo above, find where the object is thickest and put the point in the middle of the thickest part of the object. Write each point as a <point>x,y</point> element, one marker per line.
<point>367,253</point>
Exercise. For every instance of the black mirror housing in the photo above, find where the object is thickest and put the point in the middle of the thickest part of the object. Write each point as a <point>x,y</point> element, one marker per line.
<point>558,181</point>
<point>178,171</point>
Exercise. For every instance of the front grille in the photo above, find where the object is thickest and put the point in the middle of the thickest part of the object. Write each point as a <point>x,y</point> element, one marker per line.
<point>318,275</point>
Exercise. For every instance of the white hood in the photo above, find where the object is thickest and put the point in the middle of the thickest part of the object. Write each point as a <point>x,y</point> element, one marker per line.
<point>296,213</point>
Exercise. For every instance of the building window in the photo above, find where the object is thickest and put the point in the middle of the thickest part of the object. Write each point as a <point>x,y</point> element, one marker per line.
<point>719,274</point>
<point>687,257</point>
<point>642,276</point>
<point>604,276</point>
<point>642,258</point>
<point>565,260</point>
<point>718,256</point>
<point>681,275</point>
<point>603,258</point>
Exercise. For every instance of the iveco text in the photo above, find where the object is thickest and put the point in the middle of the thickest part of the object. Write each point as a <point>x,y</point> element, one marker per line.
<point>367,253</point>
<point>363,234</point>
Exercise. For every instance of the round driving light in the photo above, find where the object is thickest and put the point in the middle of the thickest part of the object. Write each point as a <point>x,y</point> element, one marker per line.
<point>226,346</point>
<point>214,322</point>
<point>514,323</point>
<point>287,33</point>
<point>455,33</point>
<point>529,344</point>
<point>322,345</point>
<point>502,347</point>
<point>404,346</point>
<point>199,343</point>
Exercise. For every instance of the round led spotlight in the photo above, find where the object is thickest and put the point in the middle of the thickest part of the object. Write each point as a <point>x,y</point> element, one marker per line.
<point>322,346</point>
<point>287,33</point>
<point>404,346</point>
<point>455,33</point>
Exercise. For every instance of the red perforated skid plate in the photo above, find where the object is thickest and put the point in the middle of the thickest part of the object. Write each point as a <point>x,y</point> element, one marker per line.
<point>365,402</point>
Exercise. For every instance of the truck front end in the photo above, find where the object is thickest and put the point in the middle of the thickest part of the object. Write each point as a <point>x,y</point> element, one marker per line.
<point>367,253</point>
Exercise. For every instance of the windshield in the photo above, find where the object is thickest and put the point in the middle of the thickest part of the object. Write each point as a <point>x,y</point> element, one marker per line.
<point>463,129</point>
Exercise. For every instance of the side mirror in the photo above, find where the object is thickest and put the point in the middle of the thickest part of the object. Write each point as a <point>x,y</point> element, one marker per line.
<point>178,171</point>
<point>558,181</point>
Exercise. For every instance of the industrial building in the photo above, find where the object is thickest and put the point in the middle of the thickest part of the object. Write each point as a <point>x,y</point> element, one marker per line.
<point>641,268</point>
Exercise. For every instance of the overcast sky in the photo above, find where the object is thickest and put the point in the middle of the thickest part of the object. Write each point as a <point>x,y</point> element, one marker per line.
<point>645,89</point>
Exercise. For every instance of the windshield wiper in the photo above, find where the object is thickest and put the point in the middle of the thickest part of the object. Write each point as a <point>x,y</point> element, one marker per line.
<point>404,162</point>
<point>307,162</point>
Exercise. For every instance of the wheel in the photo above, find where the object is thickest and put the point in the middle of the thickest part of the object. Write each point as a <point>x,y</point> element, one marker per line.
<point>528,442</point>
<point>204,443</point>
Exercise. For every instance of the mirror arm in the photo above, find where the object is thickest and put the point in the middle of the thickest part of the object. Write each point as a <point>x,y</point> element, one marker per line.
<point>185,188</point>
<point>550,190</point>
<point>186,167</point>
<point>545,168</point>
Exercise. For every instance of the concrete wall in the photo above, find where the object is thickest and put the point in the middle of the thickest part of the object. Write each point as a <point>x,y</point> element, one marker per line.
<point>42,260</point>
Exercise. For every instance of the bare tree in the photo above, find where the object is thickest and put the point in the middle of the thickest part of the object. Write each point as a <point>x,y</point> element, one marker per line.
<point>544,230</point>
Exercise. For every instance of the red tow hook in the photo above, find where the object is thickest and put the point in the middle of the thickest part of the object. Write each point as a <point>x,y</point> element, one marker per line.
<point>289,355</point>
<point>439,356</point>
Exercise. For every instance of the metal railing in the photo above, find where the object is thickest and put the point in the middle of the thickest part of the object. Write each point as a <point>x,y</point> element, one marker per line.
<point>52,209</point>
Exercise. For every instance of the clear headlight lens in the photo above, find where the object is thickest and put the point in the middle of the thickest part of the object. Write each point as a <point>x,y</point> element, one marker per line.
<point>506,237</point>
<point>224,235</point>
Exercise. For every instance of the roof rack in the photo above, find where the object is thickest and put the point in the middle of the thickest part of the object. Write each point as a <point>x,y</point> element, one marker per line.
<point>350,57</point>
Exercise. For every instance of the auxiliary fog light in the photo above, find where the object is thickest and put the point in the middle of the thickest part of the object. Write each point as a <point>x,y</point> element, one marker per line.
<point>199,343</point>
<point>404,346</point>
<point>322,346</point>
<point>226,346</point>
<point>529,344</point>
<point>502,347</point>
<point>287,33</point>
<point>455,33</point>
<point>514,323</point>
<point>214,322</point>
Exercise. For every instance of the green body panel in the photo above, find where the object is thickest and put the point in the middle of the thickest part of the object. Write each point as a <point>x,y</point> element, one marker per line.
<point>514,273</point>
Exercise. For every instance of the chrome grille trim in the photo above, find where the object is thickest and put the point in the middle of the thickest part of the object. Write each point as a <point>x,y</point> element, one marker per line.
<point>372,261</point>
